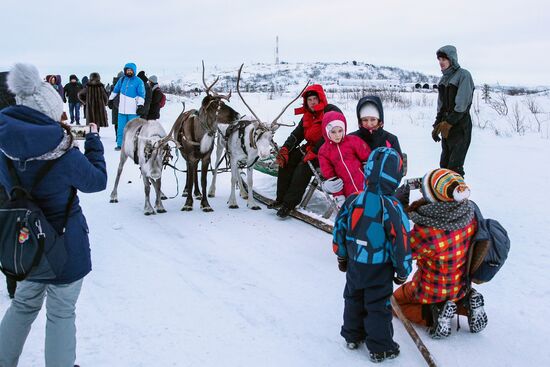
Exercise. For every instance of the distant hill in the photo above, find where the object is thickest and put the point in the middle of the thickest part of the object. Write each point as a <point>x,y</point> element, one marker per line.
<point>292,76</point>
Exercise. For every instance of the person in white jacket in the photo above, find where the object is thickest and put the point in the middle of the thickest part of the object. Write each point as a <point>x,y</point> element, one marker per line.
<point>132,99</point>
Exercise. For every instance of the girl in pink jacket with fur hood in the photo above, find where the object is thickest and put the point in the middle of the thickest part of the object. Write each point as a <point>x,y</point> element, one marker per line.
<point>341,157</point>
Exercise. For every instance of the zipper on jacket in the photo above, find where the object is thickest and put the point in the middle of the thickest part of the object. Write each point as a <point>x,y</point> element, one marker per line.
<point>346,167</point>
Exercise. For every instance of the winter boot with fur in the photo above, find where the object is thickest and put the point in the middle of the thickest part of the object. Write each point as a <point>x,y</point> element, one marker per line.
<point>442,313</point>
<point>477,318</point>
<point>378,357</point>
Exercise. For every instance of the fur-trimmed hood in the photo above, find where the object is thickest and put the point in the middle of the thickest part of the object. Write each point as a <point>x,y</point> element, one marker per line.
<point>27,134</point>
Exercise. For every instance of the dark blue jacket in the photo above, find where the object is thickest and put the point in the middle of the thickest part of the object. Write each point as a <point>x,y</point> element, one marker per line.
<point>372,227</point>
<point>379,137</point>
<point>26,133</point>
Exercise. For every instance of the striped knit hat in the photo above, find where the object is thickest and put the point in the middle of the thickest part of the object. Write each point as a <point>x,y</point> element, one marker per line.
<point>444,185</point>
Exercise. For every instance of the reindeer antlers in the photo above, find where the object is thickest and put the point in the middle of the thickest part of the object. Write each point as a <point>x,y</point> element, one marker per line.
<point>284,109</point>
<point>204,81</point>
<point>242,98</point>
<point>208,88</point>
<point>280,114</point>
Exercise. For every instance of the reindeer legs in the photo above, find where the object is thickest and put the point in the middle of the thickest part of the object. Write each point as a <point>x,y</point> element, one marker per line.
<point>191,172</point>
<point>234,177</point>
<point>251,202</point>
<point>219,154</point>
<point>205,206</point>
<point>158,192</point>
<point>148,209</point>
<point>114,193</point>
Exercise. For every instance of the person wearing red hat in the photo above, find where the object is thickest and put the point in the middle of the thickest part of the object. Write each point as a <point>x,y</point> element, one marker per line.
<point>294,171</point>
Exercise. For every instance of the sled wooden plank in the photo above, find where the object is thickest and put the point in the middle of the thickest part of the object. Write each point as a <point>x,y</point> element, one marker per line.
<point>298,215</point>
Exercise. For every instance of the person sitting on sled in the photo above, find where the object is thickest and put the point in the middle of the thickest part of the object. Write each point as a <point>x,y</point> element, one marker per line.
<point>371,240</point>
<point>444,227</point>
<point>341,157</point>
<point>370,115</point>
<point>294,172</point>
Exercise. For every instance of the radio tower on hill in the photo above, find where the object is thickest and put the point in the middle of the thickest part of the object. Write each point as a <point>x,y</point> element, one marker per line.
<point>277,50</point>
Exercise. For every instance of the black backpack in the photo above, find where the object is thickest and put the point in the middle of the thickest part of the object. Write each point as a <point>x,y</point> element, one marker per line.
<point>30,248</point>
<point>489,249</point>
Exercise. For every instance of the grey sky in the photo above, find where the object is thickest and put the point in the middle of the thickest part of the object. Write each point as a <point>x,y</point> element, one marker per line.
<point>498,41</point>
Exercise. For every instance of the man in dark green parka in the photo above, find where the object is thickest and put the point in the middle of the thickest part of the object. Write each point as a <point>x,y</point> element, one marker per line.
<point>453,121</point>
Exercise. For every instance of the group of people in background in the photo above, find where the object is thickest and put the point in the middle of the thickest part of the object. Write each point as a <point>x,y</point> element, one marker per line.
<point>372,237</point>
<point>94,96</point>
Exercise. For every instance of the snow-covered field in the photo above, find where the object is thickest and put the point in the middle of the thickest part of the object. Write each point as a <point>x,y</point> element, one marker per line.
<point>244,288</point>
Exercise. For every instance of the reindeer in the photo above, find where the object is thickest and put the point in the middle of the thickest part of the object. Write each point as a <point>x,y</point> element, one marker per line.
<point>195,131</point>
<point>246,141</point>
<point>147,143</point>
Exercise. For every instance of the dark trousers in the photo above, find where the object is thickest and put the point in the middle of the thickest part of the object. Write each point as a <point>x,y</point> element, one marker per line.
<point>454,149</point>
<point>12,285</point>
<point>292,180</point>
<point>74,112</point>
<point>367,310</point>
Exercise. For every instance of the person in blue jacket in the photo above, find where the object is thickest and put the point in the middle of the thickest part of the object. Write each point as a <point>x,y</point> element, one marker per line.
<point>371,240</point>
<point>31,135</point>
<point>131,100</point>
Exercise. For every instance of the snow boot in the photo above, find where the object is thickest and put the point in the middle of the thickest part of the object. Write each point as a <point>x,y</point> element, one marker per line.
<point>442,316</point>
<point>377,357</point>
<point>477,318</point>
<point>353,345</point>
<point>284,211</point>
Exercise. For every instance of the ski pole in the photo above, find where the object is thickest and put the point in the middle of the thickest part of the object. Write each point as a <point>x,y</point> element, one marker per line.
<point>412,333</point>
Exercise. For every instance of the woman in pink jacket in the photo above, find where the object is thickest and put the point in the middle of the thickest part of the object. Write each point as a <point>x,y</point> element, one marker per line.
<point>342,156</point>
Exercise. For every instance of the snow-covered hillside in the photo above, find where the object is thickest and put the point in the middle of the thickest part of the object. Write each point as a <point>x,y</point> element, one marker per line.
<point>291,76</point>
<point>244,288</point>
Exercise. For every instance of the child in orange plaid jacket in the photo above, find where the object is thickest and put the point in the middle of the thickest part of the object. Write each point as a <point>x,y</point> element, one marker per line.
<point>442,234</point>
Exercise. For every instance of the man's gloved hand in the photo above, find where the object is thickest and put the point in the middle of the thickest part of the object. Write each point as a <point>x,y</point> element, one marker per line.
<point>110,104</point>
<point>332,185</point>
<point>309,156</point>
<point>282,157</point>
<point>445,128</point>
<point>140,110</point>
<point>342,264</point>
<point>399,280</point>
<point>340,199</point>
<point>403,194</point>
<point>435,133</point>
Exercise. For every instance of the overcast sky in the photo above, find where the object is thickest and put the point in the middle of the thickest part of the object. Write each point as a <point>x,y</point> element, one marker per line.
<point>498,41</point>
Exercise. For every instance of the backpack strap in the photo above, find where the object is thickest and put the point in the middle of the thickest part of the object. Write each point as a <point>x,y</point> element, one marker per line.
<point>42,172</point>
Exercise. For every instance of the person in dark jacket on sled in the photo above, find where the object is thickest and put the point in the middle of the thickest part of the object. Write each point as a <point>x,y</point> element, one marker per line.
<point>294,171</point>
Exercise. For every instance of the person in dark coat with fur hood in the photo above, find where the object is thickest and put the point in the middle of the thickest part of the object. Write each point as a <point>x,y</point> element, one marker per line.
<point>6,99</point>
<point>31,135</point>
<point>113,103</point>
<point>95,98</point>
<point>453,123</point>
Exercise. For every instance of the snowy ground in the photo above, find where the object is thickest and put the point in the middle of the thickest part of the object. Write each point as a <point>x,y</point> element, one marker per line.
<point>244,288</point>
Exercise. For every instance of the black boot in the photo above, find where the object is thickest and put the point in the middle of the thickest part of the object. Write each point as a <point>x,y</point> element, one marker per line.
<point>353,345</point>
<point>477,318</point>
<point>378,357</point>
<point>442,313</point>
<point>284,211</point>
